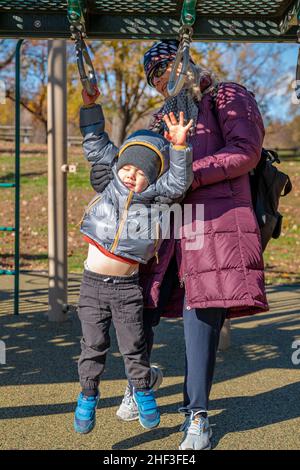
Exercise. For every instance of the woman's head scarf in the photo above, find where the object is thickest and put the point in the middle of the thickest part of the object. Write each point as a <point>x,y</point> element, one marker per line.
<point>199,82</point>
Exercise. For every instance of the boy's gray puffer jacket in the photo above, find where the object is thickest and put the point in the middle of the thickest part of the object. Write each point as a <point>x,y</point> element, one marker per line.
<point>125,223</point>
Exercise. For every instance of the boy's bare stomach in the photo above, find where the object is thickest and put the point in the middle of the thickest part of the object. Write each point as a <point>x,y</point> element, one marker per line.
<point>102,264</point>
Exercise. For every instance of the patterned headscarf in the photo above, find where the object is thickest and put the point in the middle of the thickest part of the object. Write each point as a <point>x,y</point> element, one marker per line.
<point>199,81</point>
<point>160,53</point>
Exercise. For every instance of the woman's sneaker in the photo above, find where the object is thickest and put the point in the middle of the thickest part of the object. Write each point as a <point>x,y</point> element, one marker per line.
<point>85,413</point>
<point>197,432</point>
<point>149,415</point>
<point>128,410</point>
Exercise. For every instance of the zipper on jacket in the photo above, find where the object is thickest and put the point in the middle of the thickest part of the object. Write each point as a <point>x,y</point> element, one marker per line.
<point>122,223</point>
<point>182,281</point>
<point>89,207</point>
<point>156,242</point>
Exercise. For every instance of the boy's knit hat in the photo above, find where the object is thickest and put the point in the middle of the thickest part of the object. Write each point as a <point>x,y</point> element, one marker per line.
<point>143,157</point>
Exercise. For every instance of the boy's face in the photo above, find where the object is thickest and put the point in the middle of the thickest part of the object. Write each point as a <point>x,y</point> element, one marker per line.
<point>133,178</point>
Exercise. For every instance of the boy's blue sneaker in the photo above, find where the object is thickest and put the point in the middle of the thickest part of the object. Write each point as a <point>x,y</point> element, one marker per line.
<point>149,416</point>
<point>85,413</point>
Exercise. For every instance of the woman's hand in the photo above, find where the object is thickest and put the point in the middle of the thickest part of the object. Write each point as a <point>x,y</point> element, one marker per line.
<point>100,175</point>
<point>88,99</point>
<point>177,133</point>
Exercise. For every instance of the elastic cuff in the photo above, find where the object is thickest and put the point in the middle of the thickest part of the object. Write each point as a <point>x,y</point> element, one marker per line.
<point>180,147</point>
<point>89,386</point>
<point>141,384</point>
<point>87,106</point>
<point>91,114</point>
<point>89,393</point>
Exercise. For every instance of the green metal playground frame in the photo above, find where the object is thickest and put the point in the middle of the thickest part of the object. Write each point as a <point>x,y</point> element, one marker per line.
<point>215,20</point>
<point>16,184</point>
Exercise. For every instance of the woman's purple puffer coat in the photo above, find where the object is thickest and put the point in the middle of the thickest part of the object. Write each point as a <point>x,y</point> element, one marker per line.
<point>228,271</point>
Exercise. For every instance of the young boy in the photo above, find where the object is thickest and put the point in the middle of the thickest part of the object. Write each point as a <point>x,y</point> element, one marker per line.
<point>123,229</point>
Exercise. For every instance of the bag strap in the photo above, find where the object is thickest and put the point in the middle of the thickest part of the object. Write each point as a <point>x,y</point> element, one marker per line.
<point>288,187</point>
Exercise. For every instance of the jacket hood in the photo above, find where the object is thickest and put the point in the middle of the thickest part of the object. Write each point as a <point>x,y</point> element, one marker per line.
<point>151,140</point>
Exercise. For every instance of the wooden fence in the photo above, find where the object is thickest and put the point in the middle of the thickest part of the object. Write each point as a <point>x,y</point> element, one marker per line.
<point>7,133</point>
<point>288,154</point>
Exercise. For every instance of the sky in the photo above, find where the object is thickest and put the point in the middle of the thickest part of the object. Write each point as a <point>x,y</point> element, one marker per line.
<point>280,105</point>
<point>280,100</point>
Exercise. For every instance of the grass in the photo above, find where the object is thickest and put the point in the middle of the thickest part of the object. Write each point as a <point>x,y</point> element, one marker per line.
<point>34,211</point>
<point>282,256</point>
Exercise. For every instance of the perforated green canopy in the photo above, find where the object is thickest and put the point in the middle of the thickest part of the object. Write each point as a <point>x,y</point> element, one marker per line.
<point>218,20</point>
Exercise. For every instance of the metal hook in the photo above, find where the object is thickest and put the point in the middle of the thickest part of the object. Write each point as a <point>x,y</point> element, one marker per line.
<point>85,66</point>
<point>177,78</point>
<point>78,33</point>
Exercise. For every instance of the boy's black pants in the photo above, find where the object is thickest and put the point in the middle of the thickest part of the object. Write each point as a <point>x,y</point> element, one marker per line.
<point>104,299</point>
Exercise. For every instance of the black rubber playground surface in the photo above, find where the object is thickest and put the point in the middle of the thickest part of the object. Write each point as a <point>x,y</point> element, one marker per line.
<point>254,401</point>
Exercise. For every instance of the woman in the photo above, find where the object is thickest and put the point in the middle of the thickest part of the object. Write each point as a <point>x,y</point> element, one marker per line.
<point>224,277</point>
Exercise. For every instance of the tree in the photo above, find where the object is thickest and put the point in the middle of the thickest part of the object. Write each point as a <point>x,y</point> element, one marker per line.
<point>125,95</point>
<point>33,78</point>
<point>283,134</point>
<point>294,128</point>
<point>7,53</point>
<point>259,67</point>
<point>34,82</point>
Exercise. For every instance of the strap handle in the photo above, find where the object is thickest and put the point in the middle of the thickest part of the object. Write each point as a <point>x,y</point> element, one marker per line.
<point>78,32</point>
<point>177,78</point>
<point>287,187</point>
<point>76,15</point>
<point>188,12</point>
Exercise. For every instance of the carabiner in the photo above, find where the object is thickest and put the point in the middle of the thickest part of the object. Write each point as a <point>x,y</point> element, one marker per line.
<point>76,17</point>
<point>177,78</point>
<point>85,66</point>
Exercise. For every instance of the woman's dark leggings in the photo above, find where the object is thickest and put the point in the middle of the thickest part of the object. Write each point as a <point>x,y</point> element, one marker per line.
<point>201,332</point>
<point>202,328</point>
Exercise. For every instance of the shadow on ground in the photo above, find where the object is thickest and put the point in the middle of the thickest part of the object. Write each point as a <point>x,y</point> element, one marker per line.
<point>39,352</point>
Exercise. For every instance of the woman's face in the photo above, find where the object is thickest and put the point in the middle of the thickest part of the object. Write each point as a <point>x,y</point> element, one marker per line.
<point>161,83</point>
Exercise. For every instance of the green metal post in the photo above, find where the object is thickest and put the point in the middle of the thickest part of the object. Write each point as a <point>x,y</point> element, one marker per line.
<point>17,177</point>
